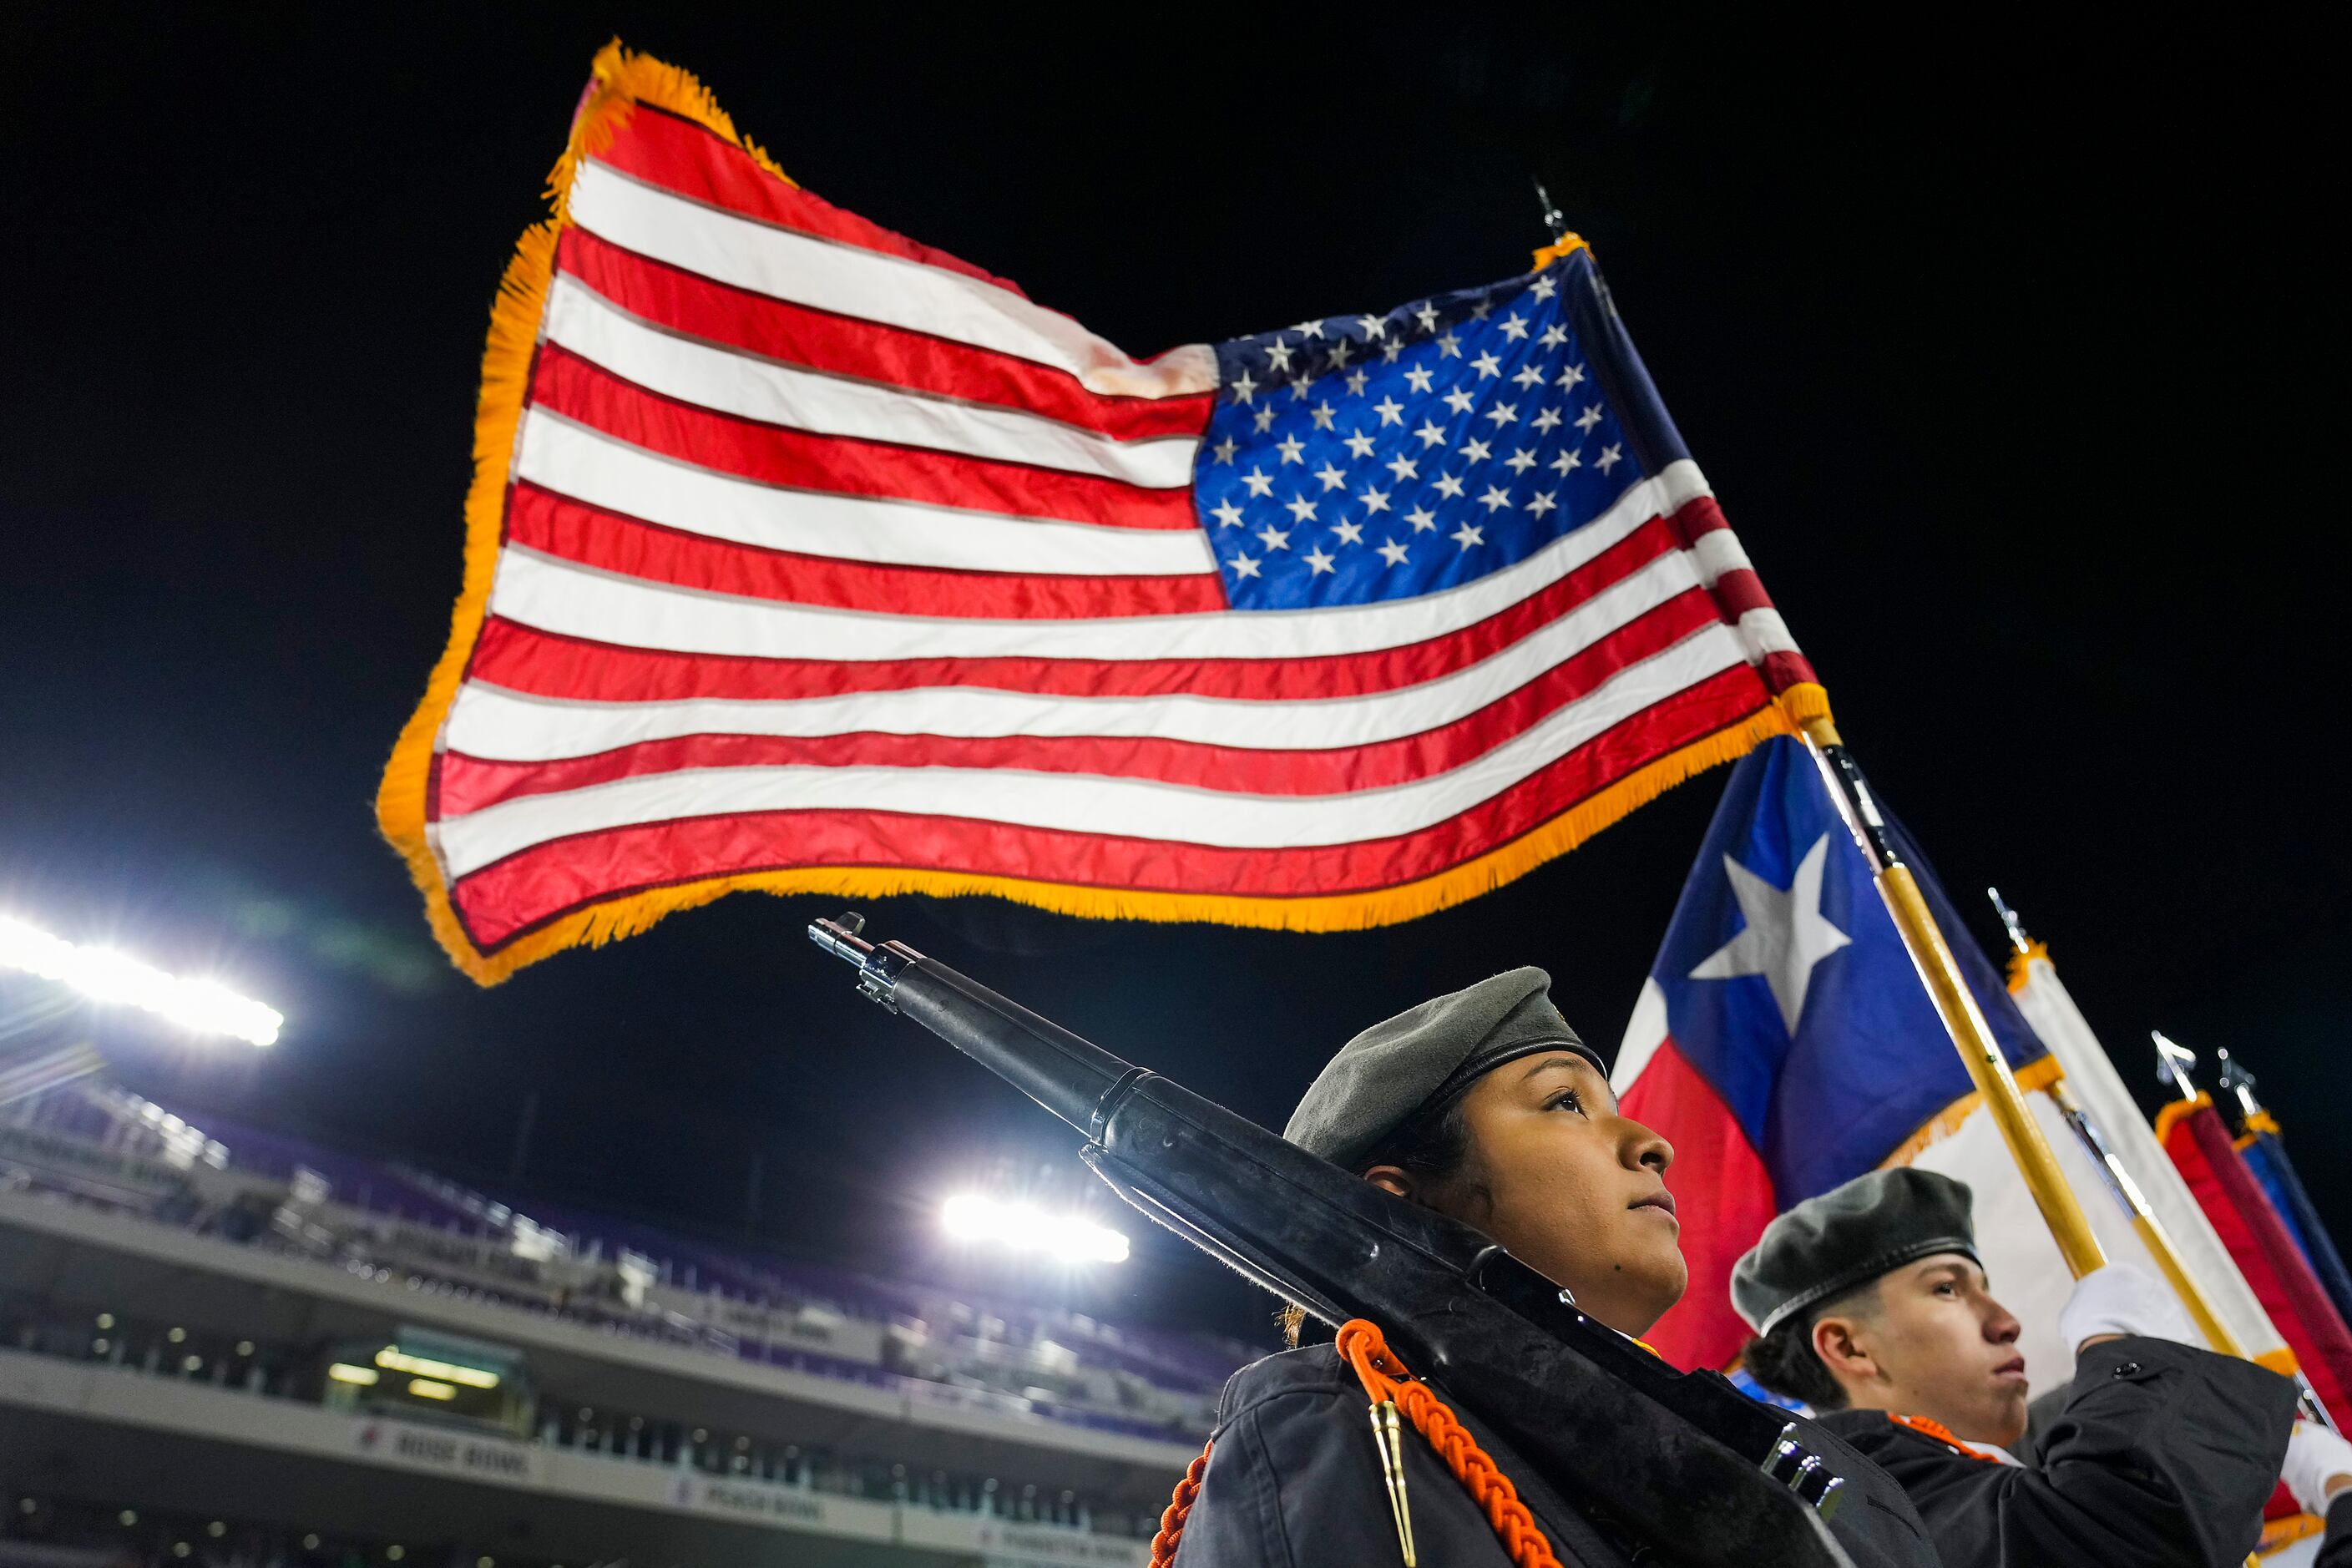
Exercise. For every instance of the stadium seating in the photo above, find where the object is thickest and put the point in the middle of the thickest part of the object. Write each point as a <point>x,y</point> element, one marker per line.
<point>96,1145</point>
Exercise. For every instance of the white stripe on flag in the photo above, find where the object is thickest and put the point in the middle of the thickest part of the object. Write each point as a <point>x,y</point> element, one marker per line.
<point>851,281</point>
<point>497,725</point>
<point>556,597</point>
<point>1765,632</point>
<point>709,376</point>
<point>1079,803</point>
<point>592,467</point>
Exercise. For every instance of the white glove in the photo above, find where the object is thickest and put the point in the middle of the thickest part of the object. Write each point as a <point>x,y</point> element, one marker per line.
<point>2314,1457</point>
<point>2122,1299</point>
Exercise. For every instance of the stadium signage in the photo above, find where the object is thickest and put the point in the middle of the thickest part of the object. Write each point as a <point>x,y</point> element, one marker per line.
<point>81,1166</point>
<point>763,1502</point>
<point>1010,1546</point>
<point>458,1453</point>
<point>784,1508</point>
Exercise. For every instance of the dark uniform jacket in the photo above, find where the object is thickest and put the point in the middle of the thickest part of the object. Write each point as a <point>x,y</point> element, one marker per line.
<point>2336,1548</point>
<point>1294,1482</point>
<point>2162,1455</point>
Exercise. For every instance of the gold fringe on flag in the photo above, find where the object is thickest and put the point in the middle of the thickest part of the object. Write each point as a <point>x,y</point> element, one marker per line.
<point>2038,1073</point>
<point>621,79</point>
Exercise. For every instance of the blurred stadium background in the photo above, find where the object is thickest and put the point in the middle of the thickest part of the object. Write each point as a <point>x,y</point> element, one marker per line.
<point>223,1344</point>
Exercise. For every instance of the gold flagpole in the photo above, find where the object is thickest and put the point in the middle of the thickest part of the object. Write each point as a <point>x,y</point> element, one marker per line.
<point>1963,1020</point>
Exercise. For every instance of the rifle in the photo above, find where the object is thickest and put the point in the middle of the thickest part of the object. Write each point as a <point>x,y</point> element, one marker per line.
<point>1683,1461</point>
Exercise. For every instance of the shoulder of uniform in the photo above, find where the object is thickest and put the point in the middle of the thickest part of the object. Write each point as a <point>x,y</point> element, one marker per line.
<point>1862,1428</point>
<point>1308,1370</point>
<point>1872,1432</point>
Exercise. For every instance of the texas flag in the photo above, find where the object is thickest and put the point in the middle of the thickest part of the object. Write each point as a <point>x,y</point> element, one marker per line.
<point>1783,1042</point>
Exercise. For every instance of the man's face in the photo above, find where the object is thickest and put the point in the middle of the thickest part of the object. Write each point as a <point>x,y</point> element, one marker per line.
<point>1574,1190</point>
<point>1936,1344</point>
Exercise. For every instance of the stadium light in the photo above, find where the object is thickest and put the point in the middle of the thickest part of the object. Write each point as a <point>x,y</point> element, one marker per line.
<point>104,975</point>
<point>394,1359</point>
<point>1024,1227</point>
<point>344,1372</point>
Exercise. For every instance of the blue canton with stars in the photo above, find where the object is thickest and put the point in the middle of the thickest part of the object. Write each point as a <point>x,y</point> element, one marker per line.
<point>1363,458</point>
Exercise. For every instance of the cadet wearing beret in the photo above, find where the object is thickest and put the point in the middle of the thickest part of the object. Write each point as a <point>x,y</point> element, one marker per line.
<point>1485,1105</point>
<point>1872,1306</point>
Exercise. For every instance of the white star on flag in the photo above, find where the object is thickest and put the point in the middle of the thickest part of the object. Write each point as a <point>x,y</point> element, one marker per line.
<point>1786,935</point>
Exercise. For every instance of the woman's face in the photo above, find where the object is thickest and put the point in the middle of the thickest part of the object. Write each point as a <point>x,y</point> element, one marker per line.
<point>1573,1190</point>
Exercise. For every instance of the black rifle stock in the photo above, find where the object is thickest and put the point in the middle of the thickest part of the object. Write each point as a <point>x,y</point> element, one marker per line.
<point>1680,1460</point>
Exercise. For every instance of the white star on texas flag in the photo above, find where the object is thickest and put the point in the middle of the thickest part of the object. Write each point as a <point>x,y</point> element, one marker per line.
<point>1785,933</point>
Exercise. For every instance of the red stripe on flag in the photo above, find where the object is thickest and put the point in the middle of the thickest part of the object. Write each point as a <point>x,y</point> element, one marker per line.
<point>2265,1251</point>
<point>736,318</point>
<point>506,898</point>
<point>565,384</point>
<point>680,156</point>
<point>1782,670</point>
<point>1699,515</point>
<point>615,543</point>
<point>545,664</point>
<point>1740,591</point>
<point>470,784</point>
<point>1723,1195</point>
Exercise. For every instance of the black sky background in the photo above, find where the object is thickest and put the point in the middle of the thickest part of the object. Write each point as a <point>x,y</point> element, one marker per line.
<point>2009,347</point>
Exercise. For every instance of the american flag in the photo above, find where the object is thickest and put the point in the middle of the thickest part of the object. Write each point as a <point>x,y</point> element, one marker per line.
<point>804,556</point>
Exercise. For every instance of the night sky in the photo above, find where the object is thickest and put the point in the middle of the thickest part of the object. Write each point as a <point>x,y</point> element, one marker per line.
<point>2011,354</point>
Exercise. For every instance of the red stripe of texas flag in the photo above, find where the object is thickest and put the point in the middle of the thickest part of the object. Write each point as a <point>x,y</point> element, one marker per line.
<point>1731,1202</point>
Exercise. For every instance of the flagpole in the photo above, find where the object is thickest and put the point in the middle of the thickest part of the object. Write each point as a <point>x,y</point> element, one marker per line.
<point>1963,1020</point>
<point>2148,1227</point>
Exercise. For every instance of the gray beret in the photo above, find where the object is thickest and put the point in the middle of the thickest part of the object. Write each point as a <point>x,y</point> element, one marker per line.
<point>1842,1240</point>
<point>1423,1058</point>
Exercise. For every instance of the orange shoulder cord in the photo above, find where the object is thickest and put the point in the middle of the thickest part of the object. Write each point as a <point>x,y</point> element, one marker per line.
<point>1390,1385</point>
<point>1928,1426</point>
<point>1179,1507</point>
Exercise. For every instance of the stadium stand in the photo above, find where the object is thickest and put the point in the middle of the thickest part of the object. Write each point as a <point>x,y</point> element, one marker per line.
<point>222,1342</point>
